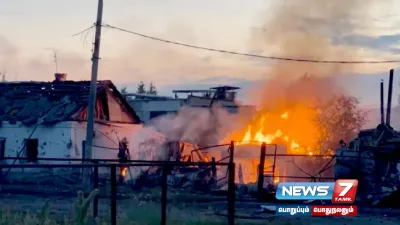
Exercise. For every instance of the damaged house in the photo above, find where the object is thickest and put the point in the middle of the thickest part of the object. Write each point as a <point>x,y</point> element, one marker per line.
<point>48,120</point>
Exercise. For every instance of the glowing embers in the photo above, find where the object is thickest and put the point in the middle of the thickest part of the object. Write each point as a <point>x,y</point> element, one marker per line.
<point>123,171</point>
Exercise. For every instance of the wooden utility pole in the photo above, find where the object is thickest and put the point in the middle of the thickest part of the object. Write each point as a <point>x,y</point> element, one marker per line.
<point>92,97</point>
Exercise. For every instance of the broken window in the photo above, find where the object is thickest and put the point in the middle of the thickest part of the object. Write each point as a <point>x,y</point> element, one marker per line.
<point>2,148</point>
<point>31,149</point>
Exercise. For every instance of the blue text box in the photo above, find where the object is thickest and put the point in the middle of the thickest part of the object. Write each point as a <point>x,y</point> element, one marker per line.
<point>305,191</point>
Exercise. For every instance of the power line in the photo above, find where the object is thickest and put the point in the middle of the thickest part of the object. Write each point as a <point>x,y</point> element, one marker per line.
<point>247,54</point>
<point>85,33</point>
<point>85,30</point>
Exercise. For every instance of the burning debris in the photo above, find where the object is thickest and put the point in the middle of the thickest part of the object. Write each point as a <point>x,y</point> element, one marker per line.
<point>291,123</point>
<point>148,144</point>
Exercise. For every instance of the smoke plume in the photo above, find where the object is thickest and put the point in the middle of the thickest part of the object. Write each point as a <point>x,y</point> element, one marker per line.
<point>307,29</point>
<point>312,29</point>
<point>202,126</point>
<point>304,29</point>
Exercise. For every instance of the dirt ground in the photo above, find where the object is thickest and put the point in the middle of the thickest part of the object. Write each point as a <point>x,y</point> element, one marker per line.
<point>148,212</point>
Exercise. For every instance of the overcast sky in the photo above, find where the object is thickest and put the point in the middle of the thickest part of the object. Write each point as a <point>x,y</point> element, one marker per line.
<point>31,29</point>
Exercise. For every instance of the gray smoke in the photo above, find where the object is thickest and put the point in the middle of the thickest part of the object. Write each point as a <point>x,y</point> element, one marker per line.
<point>202,126</point>
<point>311,29</point>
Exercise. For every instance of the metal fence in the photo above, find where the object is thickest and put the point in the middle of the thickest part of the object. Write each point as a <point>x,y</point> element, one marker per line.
<point>113,165</point>
<point>326,165</point>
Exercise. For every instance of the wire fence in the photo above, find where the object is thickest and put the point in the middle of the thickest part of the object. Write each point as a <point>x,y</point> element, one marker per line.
<point>112,165</point>
<point>323,170</point>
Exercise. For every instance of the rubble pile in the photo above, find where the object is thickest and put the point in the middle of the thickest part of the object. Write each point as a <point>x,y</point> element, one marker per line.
<point>372,158</point>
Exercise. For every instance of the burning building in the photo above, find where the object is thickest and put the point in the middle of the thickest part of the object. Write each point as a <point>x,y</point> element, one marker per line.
<point>288,128</point>
<point>48,120</point>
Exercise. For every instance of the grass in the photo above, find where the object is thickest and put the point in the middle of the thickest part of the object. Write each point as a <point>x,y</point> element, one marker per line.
<point>82,205</point>
<point>176,196</point>
<point>143,213</point>
<point>137,211</point>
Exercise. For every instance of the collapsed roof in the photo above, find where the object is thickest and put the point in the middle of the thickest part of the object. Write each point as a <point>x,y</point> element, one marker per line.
<point>53,102</point>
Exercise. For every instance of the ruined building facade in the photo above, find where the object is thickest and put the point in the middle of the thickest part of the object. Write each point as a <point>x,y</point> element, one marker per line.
<point>48,120</point>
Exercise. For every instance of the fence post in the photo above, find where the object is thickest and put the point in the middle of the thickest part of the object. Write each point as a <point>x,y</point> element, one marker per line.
<point>214,172</point>
<point>231,186</point>
<point>274,165</point>
<point>164,195</point>
<point>260,183</point>
<point>213,167</point>
<point>1,175</point>
<point>113,195</point>
<point>96,186</point>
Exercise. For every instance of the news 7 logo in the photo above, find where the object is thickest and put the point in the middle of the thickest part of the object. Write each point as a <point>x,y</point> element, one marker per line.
<point>345,191</point>
<point>341,191</point>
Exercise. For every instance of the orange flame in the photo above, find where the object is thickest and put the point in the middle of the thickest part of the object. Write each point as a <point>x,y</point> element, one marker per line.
<point>278,135</point>
<point>285,115</point>
<point>123,172</point>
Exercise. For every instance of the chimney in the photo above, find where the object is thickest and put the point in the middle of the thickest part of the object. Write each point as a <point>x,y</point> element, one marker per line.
<point>60,77</point>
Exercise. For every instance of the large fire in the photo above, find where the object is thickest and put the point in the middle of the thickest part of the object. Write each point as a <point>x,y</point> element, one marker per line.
<point>294,128</point>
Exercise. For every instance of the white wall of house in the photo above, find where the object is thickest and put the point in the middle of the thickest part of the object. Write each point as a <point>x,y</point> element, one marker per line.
<point>148,108</point>
<point>53,141</point>
<point>64,140</point>
<point>144,108</point>
<point>105,141</point>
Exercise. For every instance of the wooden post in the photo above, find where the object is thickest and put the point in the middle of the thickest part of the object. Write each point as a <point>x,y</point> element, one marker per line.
<point>231,186</point>
<point>260,183</point>
<point>164,195</point>
<point>95,186</point>
<point>114,195</point>
<point>93,93</point>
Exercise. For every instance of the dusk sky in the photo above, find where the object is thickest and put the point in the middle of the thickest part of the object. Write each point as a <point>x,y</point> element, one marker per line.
<point>31,29</point>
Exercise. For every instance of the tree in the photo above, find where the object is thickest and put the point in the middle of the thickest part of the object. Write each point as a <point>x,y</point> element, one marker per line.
<point>141,88</point>
<point>152,89</point>
<point>339,119</point>
<point>123,90</point>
